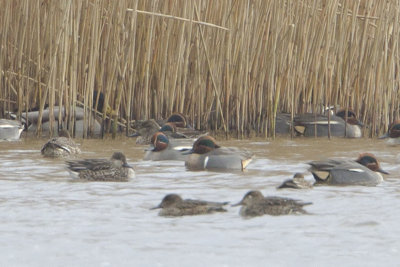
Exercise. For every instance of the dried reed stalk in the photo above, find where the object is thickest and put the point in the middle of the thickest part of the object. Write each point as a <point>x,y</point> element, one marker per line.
<point>244,62</point>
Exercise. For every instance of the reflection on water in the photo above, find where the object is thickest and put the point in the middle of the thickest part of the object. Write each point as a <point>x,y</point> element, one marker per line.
<point>48,219</point>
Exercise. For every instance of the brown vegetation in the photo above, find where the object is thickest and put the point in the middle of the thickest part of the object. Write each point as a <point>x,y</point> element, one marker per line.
<point>229,65</point>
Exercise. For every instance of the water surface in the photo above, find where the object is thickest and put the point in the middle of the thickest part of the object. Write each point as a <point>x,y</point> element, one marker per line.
<point>48,219</point>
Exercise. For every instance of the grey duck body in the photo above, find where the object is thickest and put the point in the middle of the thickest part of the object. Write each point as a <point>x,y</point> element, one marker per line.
<point>206,154</point>
<point>305,124</point>
<point>10,130</point>
<point>363,171</point>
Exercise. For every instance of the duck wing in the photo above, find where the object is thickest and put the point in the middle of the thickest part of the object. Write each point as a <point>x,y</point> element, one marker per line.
<point>89,164</point>
<point>203,202</point>
<point>229,151</point>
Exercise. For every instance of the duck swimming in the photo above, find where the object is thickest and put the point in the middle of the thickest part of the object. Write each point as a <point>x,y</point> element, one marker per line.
<point>10,130</point>
<point>206,154</point>
<point>297,182</point>
<point>173,205</point>
<point>61,146</point>
<point>162,149</point>
<point>146,129</point>
<point>393,133</point>
<point>255,204</point>
<point>115,169</point>
<point>363,171</point>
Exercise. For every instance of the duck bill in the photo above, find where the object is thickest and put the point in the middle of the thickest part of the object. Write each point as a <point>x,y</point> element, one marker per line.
<point>151,148</point>
<point>382,171</point>
<point>359,123</point>
<point>237,204</point>
<point>178,135</point>
<point>386,135</point>
<point>156,207</point>
<point>126,165</point>
<point>187,152</point>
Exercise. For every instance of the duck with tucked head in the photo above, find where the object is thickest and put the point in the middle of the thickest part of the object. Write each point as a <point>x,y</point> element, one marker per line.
<point>393,133</point>
<point>255,204</point>
<point>173,205</point>
<point>115,169</point>
<point>61,146</point>
<point>363,171</point>
<point>161,149</point>
<point>146,129</point>
<point>179,120</point>
<point>183,127</point>
<point>340,126</point>
<point>170,130</point>
<point>206,154</point>
<point>297,182</point>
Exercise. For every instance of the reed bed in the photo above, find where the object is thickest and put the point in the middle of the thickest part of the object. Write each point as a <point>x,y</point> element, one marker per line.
<point>229,65</point>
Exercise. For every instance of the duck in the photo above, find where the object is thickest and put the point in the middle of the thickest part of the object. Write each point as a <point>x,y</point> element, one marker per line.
<point>206,154</point>
<point>80,125</point>
<point>115,169</point>
<point>304,124</point>
<point>183,126</point>
<point>146,129</point>
<point>171,131</point>
<point>172,205</point>
<point>179,120</point>
<point>10,130</point>
<point>297,182</point>
<point>162,149</point>
<point>393,133</point>
<point>283,122</point>
<point>255,204</point>
<point>61,146</point>
<point>365,170</point>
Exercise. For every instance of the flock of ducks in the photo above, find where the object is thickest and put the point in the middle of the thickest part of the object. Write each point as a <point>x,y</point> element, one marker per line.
<point>205,153</point>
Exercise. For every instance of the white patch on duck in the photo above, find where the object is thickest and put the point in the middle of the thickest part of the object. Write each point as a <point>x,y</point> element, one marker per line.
<point>205,162</point>
<point>356,170</point>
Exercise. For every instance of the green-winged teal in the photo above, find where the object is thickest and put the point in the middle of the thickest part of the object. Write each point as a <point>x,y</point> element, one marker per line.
<point>179,120</point>
<point>61,146</point>
<point>393,134</point>
<point>363,171</point>
<point>255,204</point>
<point>114,169</point>
<point>173,205</point>
<point>162,149</point>
<point>146,129</point>
<point>10,130</point>
<point>297,182</point>
<point>305,124</point>
<point>206,154</point>
<point>32,119</point>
